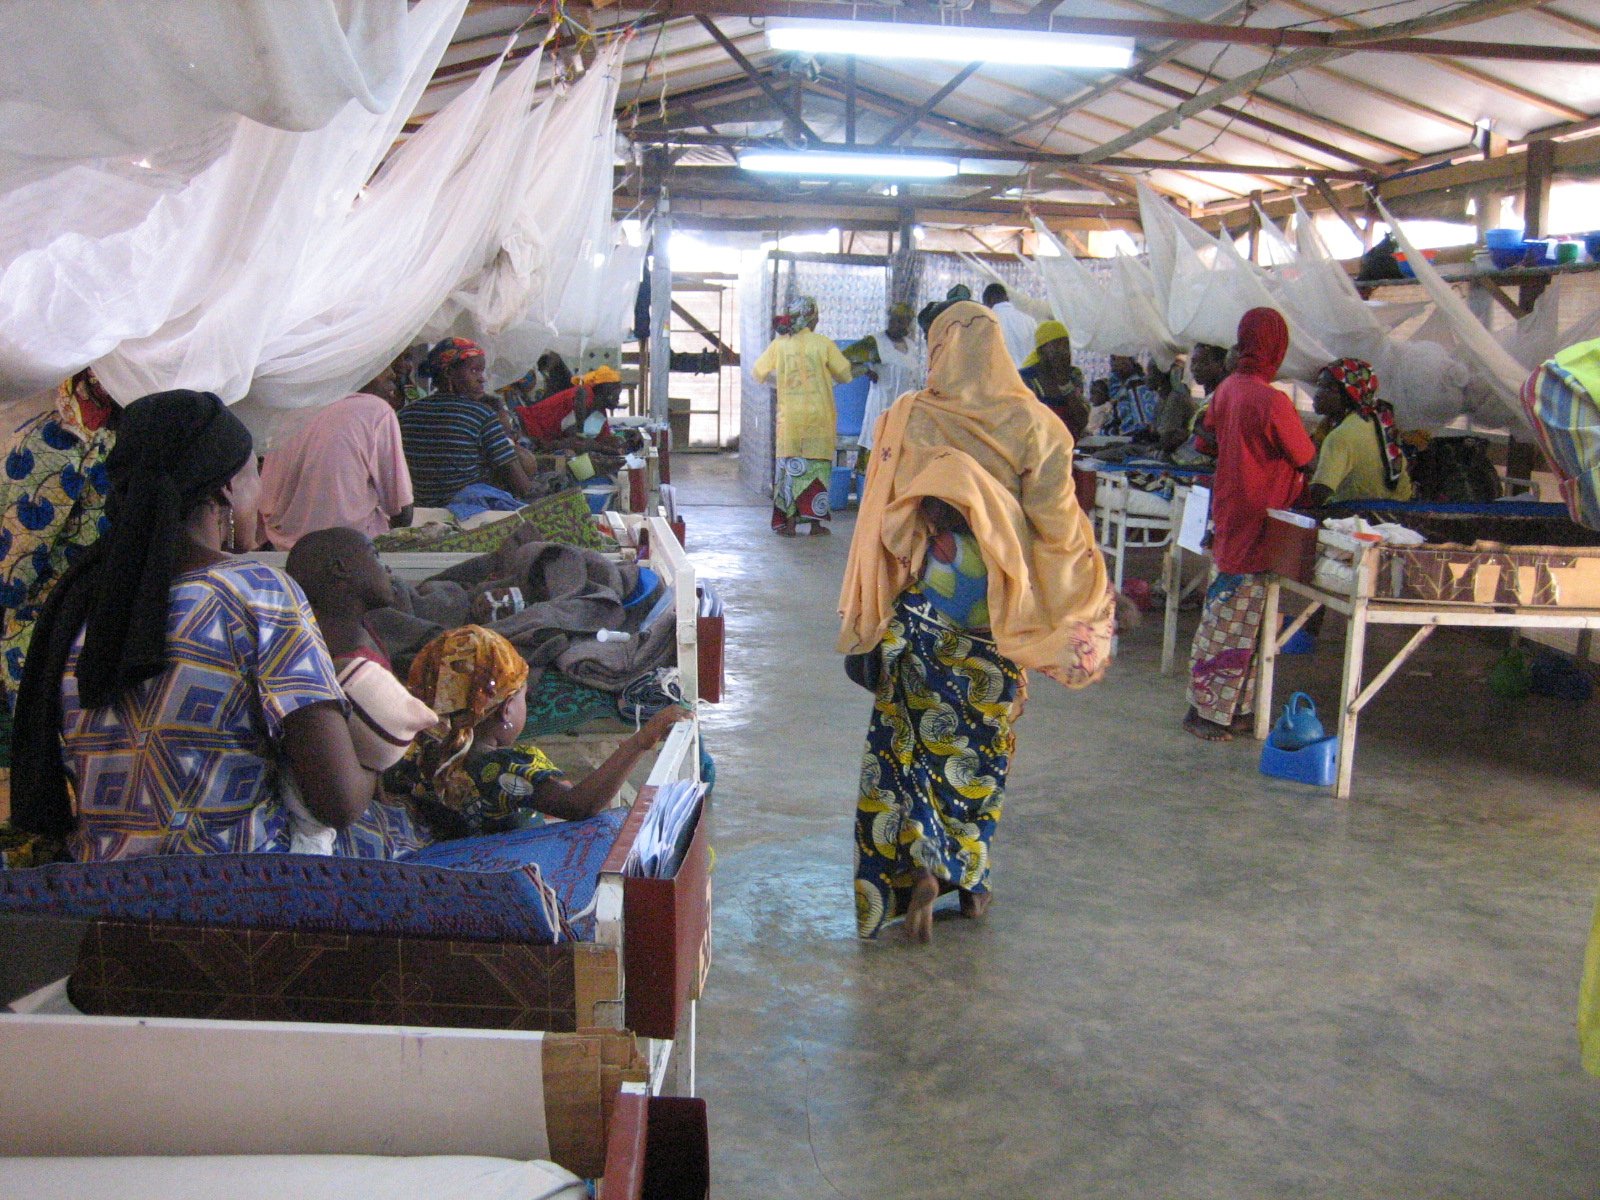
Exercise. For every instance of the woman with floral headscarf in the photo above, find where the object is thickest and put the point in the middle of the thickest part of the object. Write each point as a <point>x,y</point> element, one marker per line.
<point>471,773</point>
<point>971,562</point>
<point>1361,457</point>
<point>806,365</point>
<point>1262,450</point>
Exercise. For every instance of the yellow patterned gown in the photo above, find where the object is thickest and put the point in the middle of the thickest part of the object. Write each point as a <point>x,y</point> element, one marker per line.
<point>938,747</point>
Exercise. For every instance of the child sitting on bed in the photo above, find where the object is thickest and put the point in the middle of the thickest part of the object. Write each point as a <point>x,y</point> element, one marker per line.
<point>469,774</point>
<point>343,581</point>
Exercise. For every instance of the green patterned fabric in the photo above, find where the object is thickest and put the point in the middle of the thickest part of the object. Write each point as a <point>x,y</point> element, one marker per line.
<point>557,703</point>
<point>563,518</point>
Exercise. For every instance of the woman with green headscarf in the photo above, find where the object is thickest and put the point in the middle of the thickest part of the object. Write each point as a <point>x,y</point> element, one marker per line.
<point>893,362</point>
<point>805,366</point>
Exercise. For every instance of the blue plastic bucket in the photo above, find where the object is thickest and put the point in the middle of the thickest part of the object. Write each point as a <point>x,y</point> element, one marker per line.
<point>850,402</point>
<point>839,489</point>
<point>1303,642</point>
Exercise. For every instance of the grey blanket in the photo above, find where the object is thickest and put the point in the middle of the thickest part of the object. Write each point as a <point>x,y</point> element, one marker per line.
<point>570,595</point>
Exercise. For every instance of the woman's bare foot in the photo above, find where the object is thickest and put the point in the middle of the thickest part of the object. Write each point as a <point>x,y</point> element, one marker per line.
<point>975,904</point>
<point>785,530</point>
<point>1206,731</point>
<point>818,529</point>
<point>919,913</point>
<point>1243,725</point>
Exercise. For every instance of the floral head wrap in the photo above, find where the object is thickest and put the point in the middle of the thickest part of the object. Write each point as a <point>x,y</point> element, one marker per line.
<point>1360,385</point>
<point>464,676</point>
<point>83,404</point>
<point>449,352</point>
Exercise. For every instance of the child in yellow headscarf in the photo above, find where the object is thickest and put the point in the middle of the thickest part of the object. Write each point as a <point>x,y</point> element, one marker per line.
<point>470,773</point>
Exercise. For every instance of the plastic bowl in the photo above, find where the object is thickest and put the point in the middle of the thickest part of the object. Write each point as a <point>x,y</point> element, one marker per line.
<point>1591,243</point>
<point>1503,239</point>
<point>1507,257</point>
<point>644,589</point>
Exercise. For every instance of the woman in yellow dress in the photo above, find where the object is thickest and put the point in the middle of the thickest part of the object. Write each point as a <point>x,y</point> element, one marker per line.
<point>806,366</point>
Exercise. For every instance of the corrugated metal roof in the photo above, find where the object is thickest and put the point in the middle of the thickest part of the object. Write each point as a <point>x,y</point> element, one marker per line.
<point>1360,109</point>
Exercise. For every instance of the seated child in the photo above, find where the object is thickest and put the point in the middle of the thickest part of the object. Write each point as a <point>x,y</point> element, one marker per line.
<point>470,773</point>
<point>343,580</point>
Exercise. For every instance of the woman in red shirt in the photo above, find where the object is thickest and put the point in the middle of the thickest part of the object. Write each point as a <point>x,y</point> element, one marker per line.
<point>1262,452</point>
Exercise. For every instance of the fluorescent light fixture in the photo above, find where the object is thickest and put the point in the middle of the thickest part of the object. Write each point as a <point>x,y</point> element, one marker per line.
<point>949,43</point>
<point>823,162</point>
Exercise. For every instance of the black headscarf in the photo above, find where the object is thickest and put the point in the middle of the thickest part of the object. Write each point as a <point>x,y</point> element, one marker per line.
<point>173,451</point>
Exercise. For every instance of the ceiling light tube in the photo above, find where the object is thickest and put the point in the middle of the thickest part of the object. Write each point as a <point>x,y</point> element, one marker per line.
<point>949,43</point>
<point>823,162</point>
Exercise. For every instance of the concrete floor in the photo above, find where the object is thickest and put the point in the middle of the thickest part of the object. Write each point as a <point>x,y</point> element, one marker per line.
<point>1194,981</point>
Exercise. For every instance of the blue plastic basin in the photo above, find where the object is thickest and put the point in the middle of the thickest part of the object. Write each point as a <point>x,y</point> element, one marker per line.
<point>1316,764</point>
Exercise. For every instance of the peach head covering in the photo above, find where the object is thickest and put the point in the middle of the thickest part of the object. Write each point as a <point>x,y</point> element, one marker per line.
<point>463,675</point>
<point>977,439</point>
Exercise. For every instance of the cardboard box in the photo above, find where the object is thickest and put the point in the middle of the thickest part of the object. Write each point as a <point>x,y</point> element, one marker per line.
<point>666,945</point>
<point>1290,543</point>
<point>710,648</point>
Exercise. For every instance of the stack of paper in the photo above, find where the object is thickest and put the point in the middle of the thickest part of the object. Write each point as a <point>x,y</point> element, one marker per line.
<point>710,602</point>
<point>669,501</point>
<point>667,830</point>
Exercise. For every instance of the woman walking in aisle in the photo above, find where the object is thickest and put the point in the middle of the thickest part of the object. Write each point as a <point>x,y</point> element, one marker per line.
<point>971,561</point>
<point>806,365</point>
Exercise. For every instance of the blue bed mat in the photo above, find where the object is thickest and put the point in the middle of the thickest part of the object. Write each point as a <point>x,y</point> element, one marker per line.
<point>1488,508</point>
<point>511,887</point>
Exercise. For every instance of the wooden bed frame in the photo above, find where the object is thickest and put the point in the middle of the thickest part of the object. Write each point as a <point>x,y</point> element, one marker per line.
<point>1485,587</point>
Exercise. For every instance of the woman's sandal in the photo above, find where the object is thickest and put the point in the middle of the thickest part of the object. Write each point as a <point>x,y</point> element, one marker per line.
<point>1206,731</point>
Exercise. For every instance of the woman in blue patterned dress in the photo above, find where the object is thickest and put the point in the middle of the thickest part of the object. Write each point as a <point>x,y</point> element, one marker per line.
<point>53,501</point>
<point>170,688</point>
<point>971,561</point>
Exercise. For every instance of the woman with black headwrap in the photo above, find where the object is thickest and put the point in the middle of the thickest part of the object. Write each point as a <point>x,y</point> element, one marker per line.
<point>170,686</point>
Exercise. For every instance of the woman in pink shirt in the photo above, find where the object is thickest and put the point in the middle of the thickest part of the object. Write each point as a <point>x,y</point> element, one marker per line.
<point>345,468</point>
<point>1262,452</point>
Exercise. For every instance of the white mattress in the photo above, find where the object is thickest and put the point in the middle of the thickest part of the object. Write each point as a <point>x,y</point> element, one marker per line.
<point>1109,496</point>
<point>276,1176</point>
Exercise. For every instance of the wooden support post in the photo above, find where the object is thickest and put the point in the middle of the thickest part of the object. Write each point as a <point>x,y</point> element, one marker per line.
<point>660,308</point>
<point>1339,210</point>
<point>1255,225</point>
<point>1540,167</point>
<point>850,100</point>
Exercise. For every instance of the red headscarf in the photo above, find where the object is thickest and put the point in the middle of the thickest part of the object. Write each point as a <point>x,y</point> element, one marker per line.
<point>1262,342</point>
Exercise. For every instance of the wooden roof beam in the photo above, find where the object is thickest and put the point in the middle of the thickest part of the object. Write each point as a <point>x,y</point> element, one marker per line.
<point>778,98</point>
<point>915,117</point>
<point>947,127</point>
<point>1153,58</point>
<point>1473,10</point>
<point>1262,100</point>
<point>1456,67</point>
<point>1400,38</point>
<point>1181,150</point>
<point>1024,154</point>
